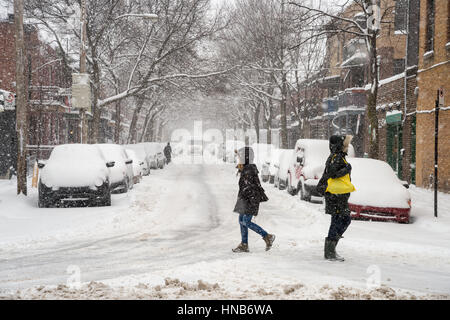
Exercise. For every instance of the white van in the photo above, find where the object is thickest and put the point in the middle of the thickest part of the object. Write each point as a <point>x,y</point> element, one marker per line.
<point>307,165</point>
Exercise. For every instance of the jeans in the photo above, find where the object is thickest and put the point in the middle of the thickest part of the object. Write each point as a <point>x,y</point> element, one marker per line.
<point>245,221</point>
<point>339,223</point>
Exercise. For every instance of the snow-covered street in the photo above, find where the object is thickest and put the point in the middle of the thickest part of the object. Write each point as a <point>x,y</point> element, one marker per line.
<point>171,237</point>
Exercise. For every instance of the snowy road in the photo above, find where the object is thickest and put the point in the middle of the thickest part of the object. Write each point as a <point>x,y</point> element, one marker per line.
<point>177,223</point>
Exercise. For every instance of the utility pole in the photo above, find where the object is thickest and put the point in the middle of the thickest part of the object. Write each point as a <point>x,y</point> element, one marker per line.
<point>83,121</point>
<point>439,103</point>
<point>81,97</point>
<point>21,100</point>
<point>283,104</point>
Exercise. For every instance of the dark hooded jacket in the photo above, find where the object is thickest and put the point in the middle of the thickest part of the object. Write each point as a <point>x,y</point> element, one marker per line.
<point>251,192</point>
<point>336,167</point>
<point>168,151</point>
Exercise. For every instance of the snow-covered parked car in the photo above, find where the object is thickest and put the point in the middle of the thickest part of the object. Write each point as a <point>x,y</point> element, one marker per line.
<point>154,151</point>
<point>270,166</point>
<point>139,151</point>
<point>75,173</point>
<point>121,178</point>
<point>138,165</point>
<point>307,165</point>
<point>379,195</point>
<point>226,150</point>
<point>281,176</point>
<point>262,152</point>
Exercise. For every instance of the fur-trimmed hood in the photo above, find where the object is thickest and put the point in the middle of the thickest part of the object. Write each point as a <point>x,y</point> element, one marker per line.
<point>340,143</point>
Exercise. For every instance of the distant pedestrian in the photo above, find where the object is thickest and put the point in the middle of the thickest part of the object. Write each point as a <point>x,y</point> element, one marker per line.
<point>250,195</point>
<point>337,186</point>
<point>168,152</point>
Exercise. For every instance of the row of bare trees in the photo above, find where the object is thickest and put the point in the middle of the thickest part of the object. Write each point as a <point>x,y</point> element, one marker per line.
<point>136,65</point>
<point>131,58</point>
<point>280,46</point>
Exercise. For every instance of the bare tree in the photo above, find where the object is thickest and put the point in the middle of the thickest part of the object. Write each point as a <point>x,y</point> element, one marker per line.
<point>127,50</point>
<point>21,100</point>
<point>361,19</point>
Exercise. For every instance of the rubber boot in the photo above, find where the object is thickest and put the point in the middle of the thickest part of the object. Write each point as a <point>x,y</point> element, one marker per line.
<point>330,250</point>
<point>269,239</point>
<point>242,247</point>
<point>327,251</point>
<point>338,257</point>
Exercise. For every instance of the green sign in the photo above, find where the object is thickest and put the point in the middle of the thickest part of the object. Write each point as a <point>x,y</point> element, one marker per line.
<point>393,117</point>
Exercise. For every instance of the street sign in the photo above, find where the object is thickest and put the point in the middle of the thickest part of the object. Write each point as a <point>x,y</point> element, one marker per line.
<point>7,100</point>
<point>393,117</point>
<point>441,97</point>
<point>81,91</point>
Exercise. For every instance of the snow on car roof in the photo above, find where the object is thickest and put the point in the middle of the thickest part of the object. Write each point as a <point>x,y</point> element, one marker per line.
<point>138,149</point>
<point>75,165</point>
<point>152,148</point>
<point>316,151</point>
<point>113,152</point>
<point>376,185</point>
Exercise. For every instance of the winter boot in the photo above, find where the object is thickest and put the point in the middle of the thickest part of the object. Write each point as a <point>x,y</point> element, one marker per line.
<point>242,247</point>
<point>330,250</point>
<point>338,257</point>
<point>269,239</point>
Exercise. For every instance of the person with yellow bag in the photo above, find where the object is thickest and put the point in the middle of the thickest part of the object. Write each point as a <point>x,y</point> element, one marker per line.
<point>336,186</point>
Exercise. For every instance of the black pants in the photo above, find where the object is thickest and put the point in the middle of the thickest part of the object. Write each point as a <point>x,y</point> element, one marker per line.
<point>337,206</point>
<point>339,223</point>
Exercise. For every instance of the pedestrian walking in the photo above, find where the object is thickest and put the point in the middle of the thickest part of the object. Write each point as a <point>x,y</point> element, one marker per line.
<point>250,195</point>
<point>168,152</point>
<point>336,186</point>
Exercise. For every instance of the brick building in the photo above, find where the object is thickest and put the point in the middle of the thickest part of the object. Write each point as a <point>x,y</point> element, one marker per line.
<point>346,83</point>
<point>48,87</point>
<point>433,73</point>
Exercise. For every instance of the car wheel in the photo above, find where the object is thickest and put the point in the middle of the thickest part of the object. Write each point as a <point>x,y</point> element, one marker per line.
<point>105,201</point>
<point>44,200</point>
<point>286,186</point>
<point>304,195</point>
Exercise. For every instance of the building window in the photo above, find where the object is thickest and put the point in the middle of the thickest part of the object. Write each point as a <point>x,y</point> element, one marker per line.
<point>448,21</point>
<point>399,66</point>
<point>400,15</point>
<point>429,40</point>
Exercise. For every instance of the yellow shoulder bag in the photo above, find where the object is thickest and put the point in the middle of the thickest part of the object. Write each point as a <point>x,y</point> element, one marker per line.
<point>340,185</point>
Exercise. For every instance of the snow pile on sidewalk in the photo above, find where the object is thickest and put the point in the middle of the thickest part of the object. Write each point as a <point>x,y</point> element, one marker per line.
<point>177,289</point>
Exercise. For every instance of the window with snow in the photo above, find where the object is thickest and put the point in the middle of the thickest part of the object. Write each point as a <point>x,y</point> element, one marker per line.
<point>400,15</point>
<point>448,21</point>
<point>429,39</point>
<point>399,66</point>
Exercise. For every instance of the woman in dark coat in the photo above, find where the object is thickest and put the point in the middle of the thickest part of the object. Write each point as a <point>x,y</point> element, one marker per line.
<point>336,205</point>
<point>250,195</point>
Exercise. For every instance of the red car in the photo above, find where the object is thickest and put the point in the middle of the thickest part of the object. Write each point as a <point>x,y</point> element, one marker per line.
<point>379,194</point>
